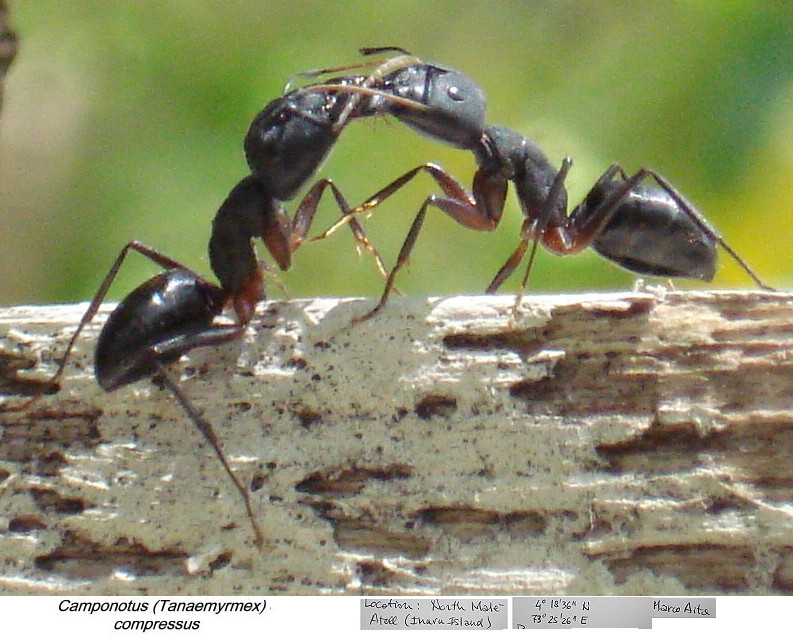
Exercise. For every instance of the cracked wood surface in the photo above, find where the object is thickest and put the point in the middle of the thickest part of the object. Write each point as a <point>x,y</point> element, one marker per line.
<point>630,443</point>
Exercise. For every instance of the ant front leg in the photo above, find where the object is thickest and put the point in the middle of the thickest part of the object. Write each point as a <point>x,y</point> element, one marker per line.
<point>478,210</point>
<point>304,216</point>
<point>534,228</point>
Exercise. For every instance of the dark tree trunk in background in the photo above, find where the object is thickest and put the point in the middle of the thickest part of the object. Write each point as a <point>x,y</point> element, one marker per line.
<point>8,45</point>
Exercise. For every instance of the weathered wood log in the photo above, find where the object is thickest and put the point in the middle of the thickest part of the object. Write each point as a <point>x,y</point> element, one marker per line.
<point>634,443</point>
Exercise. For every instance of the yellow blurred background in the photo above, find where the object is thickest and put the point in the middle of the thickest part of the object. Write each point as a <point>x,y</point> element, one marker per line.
<point>124,120</point>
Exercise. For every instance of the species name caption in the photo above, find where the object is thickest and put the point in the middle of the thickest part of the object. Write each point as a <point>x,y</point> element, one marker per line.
<point>163,608</point>
<point>437,613</point>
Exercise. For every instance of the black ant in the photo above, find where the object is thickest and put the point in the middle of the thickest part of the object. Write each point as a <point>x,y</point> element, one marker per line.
<point>650,230</point>
<point>292,136</point>
<point>178,310</point>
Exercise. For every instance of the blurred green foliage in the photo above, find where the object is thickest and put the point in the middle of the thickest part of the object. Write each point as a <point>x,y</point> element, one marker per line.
<point>125,120</point>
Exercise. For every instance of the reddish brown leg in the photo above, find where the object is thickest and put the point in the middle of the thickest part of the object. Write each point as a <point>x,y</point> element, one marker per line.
<point>531,230</point>
<point>305,216</point>
<point>479,210</point>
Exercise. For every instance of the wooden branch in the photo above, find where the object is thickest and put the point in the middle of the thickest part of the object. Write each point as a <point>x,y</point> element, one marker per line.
<point>597,444</point>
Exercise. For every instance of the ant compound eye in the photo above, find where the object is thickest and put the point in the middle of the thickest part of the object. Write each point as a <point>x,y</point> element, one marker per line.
<point>455,93</point>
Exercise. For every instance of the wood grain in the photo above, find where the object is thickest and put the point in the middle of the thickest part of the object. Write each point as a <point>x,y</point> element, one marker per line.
<point>634,443</point>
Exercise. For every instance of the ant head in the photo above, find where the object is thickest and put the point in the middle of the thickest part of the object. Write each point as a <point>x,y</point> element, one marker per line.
<point>453,104</point>
<point>455,93</point>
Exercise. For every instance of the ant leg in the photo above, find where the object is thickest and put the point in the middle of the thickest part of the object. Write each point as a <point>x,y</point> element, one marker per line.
<point>207,430</point>
<point>404,255</point>
<point>509,266</point>
<point>215,335</point>
<point>154,255</point>
<point>555,195</point>
<point>305,216</point>
<point>584,224</point>
<point>480,210</point>
<point>533,228</point>
<point>268,272</point>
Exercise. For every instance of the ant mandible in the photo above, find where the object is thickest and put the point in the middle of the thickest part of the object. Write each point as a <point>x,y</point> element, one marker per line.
<point>178,310</point>
<point>646,229</point>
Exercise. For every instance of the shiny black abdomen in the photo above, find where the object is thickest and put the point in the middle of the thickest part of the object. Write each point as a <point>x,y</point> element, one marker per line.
<point>162,311</point>
<point>650,234</point>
